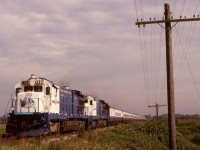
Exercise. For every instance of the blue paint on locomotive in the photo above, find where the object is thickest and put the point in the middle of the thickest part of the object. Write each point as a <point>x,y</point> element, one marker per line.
<point>27,124</point>
<point>102,109</point>
<point>71,103</point>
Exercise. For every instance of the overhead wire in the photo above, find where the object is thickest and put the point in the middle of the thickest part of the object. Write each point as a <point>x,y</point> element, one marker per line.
<point>143,66</point>
<point>151,55</point>
<point>153,66</point>
<point>182,61</point>
<point>195,85</point>
<point>159,62</point>
<point>154,55</point>
<point>188,7</point>
<point>176,50</point>
<point>188,42</point>
<point>183,7</point>
<point>141,9</point>
<point>143,54</point>
<point>135,4</point>
<point>193,79</point>
<point>150,10</point>
<point>146,59</point>
<point>197,7</point>
<point>174,7</point>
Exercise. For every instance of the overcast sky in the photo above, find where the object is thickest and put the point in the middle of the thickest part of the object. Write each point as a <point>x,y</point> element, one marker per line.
<point>94,46</point>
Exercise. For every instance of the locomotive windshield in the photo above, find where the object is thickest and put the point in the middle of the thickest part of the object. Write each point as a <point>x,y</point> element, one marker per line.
<point>31,88</point>
<point>38,88</point>
<point>28,88</point>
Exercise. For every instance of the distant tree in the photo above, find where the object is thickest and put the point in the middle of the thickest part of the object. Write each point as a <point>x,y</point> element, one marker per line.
<point>182,116</point>
<point>148,116</point>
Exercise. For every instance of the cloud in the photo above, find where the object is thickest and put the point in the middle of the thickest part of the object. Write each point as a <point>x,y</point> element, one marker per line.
<point>94,46</point>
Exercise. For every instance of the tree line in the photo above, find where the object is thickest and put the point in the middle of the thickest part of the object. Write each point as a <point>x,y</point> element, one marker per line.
<point>178,116</point>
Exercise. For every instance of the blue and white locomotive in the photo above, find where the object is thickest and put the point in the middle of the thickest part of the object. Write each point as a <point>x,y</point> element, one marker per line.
<point>41,107</point>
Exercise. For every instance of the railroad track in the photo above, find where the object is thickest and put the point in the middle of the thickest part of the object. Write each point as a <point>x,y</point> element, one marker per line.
<point>43,139</point>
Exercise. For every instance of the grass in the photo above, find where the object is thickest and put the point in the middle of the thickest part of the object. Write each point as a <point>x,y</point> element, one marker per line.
<point>2,128</point>
<point>133,136</point>
<point>190,129</point>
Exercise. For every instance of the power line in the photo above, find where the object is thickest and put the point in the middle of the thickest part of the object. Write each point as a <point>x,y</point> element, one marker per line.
<point>185,51</point>
<point>170,83</point>
<point>143,65</point>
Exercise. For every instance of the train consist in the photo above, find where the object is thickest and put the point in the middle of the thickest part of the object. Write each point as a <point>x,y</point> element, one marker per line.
<point>41,107</point>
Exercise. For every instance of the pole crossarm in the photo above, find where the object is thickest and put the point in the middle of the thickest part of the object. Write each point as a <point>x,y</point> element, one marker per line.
<point>165,21</point>
<point>156,105</point>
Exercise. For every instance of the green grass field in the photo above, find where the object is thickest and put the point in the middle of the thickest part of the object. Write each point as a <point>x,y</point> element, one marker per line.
<point>2,128</point>
<point>138,136</point>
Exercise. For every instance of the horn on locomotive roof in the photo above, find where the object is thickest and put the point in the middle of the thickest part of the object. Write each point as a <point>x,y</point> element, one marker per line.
<point>33,76</point>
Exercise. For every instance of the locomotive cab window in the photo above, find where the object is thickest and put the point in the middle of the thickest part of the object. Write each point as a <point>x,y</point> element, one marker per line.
<point>91,102</point>
<point>18,90</point>
<point>28,88</point>
<point>47,90</point>
<point>38,88</point>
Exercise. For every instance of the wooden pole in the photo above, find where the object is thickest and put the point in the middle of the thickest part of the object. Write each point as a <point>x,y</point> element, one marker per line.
<point>170,81</point>
<point>169,68</point>
<point>157,107</point>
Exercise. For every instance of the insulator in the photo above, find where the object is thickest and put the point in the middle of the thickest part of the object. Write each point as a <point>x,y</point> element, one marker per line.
<point>150,19</point>
<point>171,17</point>
<point>185,17</point>
<point>180,16</point>
<point>198,16</point>
<point>137,20</point>
<point>154,18</point>
<point>141,19</point>
<point>194,16</point>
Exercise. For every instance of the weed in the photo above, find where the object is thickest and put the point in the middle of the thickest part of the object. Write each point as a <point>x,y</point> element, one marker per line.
<point>54,146</point>
<point>196,139</point>
<point>133,136</point>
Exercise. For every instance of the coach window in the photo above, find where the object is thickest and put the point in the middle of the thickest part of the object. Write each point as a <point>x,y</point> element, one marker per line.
<point>90,102</point>
<point>47,90</point>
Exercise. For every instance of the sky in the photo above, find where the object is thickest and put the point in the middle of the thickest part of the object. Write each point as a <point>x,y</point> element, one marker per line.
<point>94,46</point>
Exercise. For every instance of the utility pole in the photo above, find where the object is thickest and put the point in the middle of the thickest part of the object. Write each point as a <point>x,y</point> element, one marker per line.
<point>169,67</point>
<point>157,107</point>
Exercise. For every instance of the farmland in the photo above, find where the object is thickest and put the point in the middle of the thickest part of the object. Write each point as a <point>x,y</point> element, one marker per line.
<point>139,135</point>
<point>185,121</point>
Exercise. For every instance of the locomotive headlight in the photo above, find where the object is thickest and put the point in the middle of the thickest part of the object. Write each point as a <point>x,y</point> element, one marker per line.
<point>12,109</point>
<point>32,82</point>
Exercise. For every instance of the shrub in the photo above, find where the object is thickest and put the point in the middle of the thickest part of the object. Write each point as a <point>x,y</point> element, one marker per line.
<point>196,139</point>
